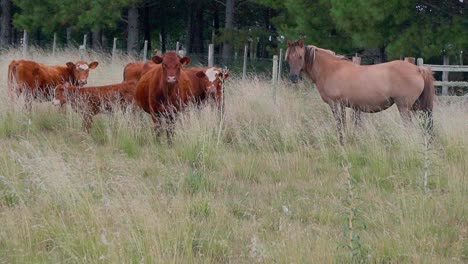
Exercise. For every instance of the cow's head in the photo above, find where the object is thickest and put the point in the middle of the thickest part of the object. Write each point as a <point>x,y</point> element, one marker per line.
<point>213,79</point>
<point>80,71</point>
<point>59,94</point>
<point>171,64</point>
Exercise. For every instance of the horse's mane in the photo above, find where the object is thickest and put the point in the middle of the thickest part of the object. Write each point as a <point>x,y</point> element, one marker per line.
<point>309,53</point>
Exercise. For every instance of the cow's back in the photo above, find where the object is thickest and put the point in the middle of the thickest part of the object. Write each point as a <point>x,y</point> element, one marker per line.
<point>36,76</point>
<point>133,71</point>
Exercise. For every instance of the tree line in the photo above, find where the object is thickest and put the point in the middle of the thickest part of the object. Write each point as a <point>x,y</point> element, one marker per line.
<point>388,29</point>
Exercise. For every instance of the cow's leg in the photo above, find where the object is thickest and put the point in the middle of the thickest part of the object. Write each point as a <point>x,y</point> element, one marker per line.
<point>336,110</point>
<point>157,118</point>
<point>357,118</point>
<point>343,116</point>
<point>28,99</point>
<point>87,122</point>
<point>170,130</point>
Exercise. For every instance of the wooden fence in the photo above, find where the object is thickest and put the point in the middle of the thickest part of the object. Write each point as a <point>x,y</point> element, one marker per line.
<point>445,69</point>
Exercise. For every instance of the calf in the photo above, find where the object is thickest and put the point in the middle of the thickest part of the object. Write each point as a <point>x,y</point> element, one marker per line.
<point>207,84</point>
<point>91,101</point>
<point>36,79</point>
<point>163,90</point>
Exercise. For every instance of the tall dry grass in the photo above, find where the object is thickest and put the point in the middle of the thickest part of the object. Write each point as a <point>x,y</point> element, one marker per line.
<point>266,185</point>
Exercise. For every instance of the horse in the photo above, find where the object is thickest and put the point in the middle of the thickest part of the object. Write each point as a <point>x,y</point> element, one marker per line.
<point>365,88</point>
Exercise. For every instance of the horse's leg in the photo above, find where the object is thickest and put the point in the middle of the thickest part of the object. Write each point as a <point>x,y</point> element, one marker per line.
<point>336,107</point>
<point>405,113</point>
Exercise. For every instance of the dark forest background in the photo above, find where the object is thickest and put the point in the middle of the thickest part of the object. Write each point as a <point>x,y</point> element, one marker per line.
<point>382,29</point>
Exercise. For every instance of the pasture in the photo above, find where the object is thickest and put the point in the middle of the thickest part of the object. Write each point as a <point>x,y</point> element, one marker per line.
<point>269,184</point>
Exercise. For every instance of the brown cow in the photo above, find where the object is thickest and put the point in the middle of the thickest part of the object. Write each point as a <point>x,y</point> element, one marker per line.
<point>90,101</point>
<point>36,79</point>
<point>207,83</point>
<point>162,91</point>
<point>134,70</point>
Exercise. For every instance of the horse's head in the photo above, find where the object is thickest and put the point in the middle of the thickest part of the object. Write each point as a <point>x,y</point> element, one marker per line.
<point>295,57</point>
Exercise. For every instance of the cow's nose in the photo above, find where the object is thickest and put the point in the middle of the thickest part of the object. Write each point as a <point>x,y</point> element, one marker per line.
<point>171,79</point>
<point>82,81</point>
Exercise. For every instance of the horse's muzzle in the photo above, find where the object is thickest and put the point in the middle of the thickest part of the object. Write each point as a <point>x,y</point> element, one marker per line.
<point>294,78</point>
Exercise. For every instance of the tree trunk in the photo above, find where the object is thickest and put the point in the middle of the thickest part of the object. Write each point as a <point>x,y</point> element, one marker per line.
<point>5,23</point>
<point>227,47</point>
<point>188,29</point>
<point>197,36</point>
<point>383,56</point>
<point>216,29</point>
<point>147,28</point>
<point>132,29</point>
<point>163,39</point>
<point>69,37</point>
<point>97,44</point>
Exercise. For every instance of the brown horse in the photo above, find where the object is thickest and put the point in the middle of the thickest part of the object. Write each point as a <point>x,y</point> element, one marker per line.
<point>363,88</point>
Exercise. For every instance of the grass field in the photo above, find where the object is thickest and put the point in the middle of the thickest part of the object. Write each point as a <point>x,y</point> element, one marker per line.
<point>268,185</point>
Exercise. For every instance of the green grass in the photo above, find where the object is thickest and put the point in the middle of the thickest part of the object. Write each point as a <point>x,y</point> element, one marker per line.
<point>270,189</point>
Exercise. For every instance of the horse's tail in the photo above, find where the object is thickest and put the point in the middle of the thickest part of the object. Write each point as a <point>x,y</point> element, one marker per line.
<point>425,101</point>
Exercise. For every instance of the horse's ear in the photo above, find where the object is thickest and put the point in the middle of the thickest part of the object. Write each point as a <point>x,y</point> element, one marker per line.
<point>301,43</point>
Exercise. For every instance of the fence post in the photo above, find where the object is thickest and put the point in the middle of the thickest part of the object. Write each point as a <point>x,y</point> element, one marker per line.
<point>145,51</point>
<point>461,57</point>
<point>280,64</point>
<point>420,62</point>
<point>244,67</point>
<point>25,44</point>
<point>210,55</point>
<point>54,45</point>
<point>275,75</point>
<point>177,47</point>
<point>357,60</point>
<point>114,50</point>
<point>82,52</point>
<point>275,69</point>
<point>445,75</point>
<point>410,60</point>
<point>84,40</point>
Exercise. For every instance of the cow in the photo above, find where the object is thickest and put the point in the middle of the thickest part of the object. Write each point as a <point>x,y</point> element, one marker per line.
<point>134,70</point>
<point>162,91</point>
<point>207,84</point>
<point>36,80</point>
<point>90,101</point>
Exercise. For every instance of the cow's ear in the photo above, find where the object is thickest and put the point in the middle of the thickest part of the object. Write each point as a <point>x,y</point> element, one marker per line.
<point>225,74</point>
<point>200,74</point>
<point>185,60</point>
<point>71,65</point>
<point>93,65</point>
<point>289,43</point>
<point>156,59</point>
